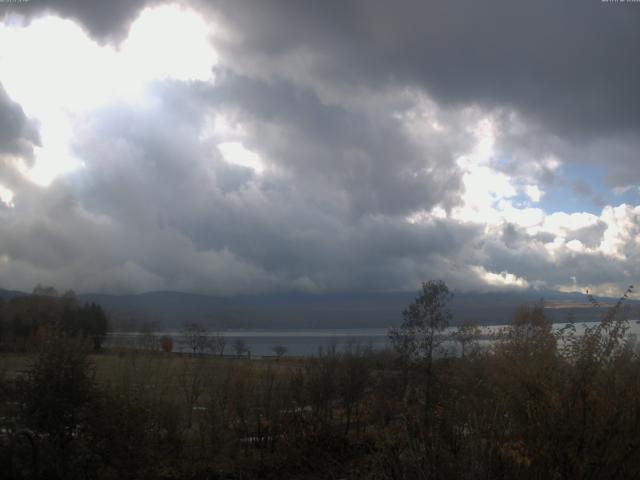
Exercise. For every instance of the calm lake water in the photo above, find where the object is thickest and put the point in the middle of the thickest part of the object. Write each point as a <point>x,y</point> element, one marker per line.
<point>308,342</point>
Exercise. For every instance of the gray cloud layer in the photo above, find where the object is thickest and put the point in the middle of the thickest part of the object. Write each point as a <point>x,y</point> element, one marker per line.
<point>105,21</point>
<point>570,64</point>
<point>17,133</point>
<point>327,94</point>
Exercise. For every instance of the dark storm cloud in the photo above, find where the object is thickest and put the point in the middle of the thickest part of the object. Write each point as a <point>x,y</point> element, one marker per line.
<point>568,68</point>
<point>571,64</point>
<point>17,133</point>
<point>365,155</point>
<point>104,20</point>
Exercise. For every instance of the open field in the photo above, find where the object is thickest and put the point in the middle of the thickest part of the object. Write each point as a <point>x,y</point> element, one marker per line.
<point>116,369</point>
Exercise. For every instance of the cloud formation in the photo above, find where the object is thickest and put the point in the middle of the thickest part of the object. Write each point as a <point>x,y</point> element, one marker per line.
<point>105,21</point>
<point>347,146</point>
<point>17,133</point>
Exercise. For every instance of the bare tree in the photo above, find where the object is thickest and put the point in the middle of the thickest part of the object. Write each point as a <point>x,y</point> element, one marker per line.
<point>240,347</point>
<point>148,339</point>
<point>279,350</point>
<point>466,335</point>
<point>321,378</point>
<point>217,343</point>
<point>353,379</point>
<point>420,334</point>
<point>191,380</point>
<point>195,336</point>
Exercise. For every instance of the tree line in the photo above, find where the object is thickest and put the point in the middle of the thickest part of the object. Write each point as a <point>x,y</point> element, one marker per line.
<point>27,321</point>
<point>538,403</point>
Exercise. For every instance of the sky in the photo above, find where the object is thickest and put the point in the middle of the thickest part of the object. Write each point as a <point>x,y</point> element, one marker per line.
<point>239,147</point>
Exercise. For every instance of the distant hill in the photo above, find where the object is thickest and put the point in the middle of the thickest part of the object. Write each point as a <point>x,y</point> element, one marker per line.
<point>8,294</point>
<point>170,310</point>
<point>343,310</point>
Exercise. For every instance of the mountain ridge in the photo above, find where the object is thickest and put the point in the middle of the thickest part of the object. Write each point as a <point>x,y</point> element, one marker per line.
<point>285,310</point>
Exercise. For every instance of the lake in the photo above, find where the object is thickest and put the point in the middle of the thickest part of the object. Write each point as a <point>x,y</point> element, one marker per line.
<point>307,342</point>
